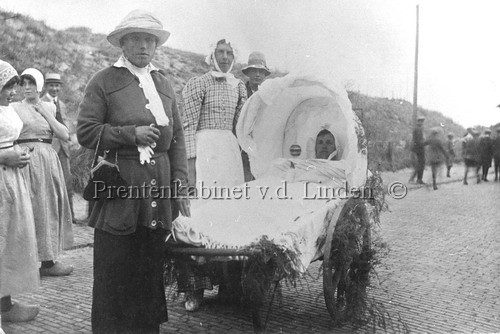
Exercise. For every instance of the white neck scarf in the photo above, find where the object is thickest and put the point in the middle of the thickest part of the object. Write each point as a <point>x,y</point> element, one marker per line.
<point>149,88</point>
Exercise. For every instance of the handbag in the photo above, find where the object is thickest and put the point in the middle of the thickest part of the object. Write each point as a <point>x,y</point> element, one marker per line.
<point>105,179</point>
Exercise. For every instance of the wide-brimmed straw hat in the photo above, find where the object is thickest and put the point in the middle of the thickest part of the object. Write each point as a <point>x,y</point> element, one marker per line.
<point>138,21</point>
<point>53,78</point>
<point>256,60</point>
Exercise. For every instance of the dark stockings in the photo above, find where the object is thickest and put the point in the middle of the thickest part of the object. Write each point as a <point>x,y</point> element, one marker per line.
<point>5,304</point>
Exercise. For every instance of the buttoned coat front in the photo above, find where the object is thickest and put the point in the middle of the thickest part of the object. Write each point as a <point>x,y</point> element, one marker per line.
<point>115,103</point>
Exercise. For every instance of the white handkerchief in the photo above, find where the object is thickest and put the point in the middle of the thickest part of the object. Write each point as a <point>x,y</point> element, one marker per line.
<point>145,153</point>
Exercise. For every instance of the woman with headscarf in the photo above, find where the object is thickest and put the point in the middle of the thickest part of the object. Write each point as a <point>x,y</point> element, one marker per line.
<point>53,221</point>
<point>18,258</point>
<point>212,105</point>
<point>131,107</point>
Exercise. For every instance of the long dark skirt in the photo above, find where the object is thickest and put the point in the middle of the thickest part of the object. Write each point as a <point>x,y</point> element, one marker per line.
<point>129,294</point>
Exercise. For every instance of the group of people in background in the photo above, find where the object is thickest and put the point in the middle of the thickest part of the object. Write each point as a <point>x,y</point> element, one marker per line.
<point>478,152</point>
<point>36,222</point>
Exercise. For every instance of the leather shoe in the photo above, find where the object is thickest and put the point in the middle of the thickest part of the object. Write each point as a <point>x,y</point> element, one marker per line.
<point>20,313</point>
<point>58,269</point>
<point>193,300</point>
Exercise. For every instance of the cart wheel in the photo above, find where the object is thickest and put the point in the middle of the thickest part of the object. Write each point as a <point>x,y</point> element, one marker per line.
<point>346,263</point>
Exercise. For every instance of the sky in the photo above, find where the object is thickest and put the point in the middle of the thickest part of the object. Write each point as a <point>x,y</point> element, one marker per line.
<point>367,45</point>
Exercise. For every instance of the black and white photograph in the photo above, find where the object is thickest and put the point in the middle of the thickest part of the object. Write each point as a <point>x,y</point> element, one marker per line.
<point>249,166</point>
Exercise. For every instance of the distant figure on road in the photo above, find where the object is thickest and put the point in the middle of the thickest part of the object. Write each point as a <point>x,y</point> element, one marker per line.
<point>450,148</point>
<point>470,148</point>
<point>496,153</point>
<point>53,85</point>
<point>418,149</point>
<point>485,153</point>
<point>437,154</point>
<point>256,71</point>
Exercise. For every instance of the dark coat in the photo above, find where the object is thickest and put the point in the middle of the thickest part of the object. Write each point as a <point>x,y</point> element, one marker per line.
<point>496,147</point>
<point>114,102</point>
<point>419,143</point>
<point>435,151</point>
<point>470,149</point>
<point>485,150</point>
<point>249,89</point>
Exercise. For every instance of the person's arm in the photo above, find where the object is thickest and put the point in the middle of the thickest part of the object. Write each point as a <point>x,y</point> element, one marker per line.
<point>48,111</point>
<point>91,120</point>
<point>242,97</point>
<point>178,162</point>
<point>193,95</point>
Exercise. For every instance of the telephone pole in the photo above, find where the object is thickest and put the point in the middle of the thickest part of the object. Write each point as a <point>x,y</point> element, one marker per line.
<point>415,80</point>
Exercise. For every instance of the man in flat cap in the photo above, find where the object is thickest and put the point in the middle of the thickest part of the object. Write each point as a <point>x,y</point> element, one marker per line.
<point>53,84</point>
<point>256,71</point>
<point>130,109</point>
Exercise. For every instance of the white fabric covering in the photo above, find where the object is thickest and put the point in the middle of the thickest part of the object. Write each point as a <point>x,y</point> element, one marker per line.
<point>285,111</point>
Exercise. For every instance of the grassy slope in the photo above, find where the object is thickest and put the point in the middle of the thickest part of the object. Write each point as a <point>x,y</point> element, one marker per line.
<point>77,54</point>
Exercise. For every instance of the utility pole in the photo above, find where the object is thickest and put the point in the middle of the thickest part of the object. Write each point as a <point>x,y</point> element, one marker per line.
<point>415,80</point>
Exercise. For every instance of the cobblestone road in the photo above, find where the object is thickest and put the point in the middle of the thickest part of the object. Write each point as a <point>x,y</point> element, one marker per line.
<point>441,275</point>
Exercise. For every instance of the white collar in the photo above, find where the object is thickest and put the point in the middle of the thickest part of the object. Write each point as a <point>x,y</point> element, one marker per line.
<point>51,98</point>
<point>124,62</point>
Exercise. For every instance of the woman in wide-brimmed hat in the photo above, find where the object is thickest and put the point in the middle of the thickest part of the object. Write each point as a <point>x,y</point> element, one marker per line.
<point>130,109</point>
<point>18,258</point>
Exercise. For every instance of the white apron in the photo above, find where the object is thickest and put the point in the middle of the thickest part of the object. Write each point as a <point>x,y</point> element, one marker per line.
<point>218,160</point>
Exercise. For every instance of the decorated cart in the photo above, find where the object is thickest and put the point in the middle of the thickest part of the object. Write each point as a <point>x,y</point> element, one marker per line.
<point>299,209</point>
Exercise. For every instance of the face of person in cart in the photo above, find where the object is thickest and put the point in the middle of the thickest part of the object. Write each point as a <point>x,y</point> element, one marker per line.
<point>325,144</point>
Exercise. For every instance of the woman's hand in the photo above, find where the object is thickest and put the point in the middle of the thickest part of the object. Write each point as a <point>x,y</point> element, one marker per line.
<point>14,159</point>
<point>183,205</point>
<point>60,130</point>
<point>42,111</point>
<point>146,135</point>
